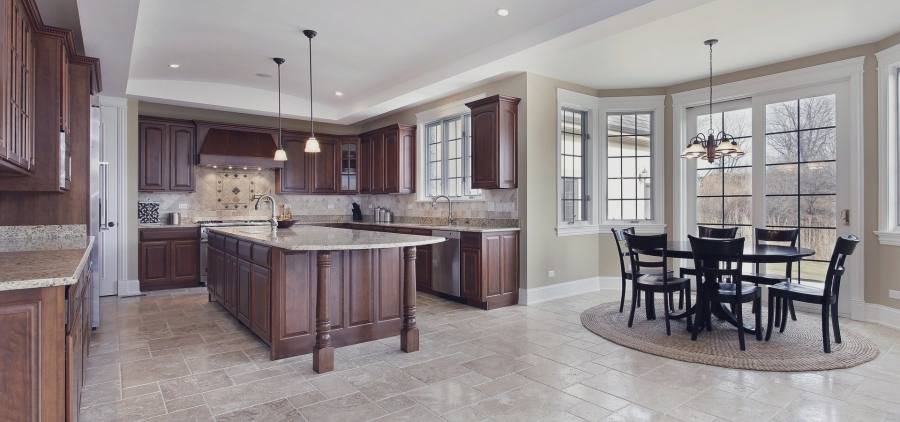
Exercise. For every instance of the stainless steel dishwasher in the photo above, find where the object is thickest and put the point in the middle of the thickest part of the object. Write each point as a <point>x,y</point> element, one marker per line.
<point>445,263</point>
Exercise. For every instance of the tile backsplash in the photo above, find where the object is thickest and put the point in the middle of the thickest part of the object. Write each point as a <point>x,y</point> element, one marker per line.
<point>227,193</point>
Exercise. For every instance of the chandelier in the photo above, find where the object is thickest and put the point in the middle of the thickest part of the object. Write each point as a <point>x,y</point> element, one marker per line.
<point>711,145</point>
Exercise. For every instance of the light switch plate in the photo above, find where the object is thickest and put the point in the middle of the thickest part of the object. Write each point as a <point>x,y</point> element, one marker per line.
<point>894,294</point>
<point>183,206</point>
<point>551,273</point>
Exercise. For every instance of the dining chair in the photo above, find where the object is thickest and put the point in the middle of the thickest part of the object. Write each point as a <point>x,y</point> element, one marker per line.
<point>826,296</point>
<point>709,233</point>
<point>619,238</point>
<point>649,261</point>
<point>720,284</point>
<point>786,237</point>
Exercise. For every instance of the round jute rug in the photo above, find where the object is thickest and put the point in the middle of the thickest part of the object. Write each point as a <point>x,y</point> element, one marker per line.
<point>799,348</point>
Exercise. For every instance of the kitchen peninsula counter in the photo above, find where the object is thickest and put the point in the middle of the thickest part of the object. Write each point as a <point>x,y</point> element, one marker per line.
<point>311,289</point>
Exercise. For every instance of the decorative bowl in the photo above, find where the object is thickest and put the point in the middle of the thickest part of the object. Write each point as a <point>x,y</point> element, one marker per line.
<point>283,224</point>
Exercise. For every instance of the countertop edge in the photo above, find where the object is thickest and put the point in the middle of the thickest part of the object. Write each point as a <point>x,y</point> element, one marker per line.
<point>467,229</point>
<point>427,240</point>
<point>38,283</point>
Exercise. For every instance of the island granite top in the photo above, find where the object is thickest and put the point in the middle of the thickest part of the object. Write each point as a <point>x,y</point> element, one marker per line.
<point>317,238</point>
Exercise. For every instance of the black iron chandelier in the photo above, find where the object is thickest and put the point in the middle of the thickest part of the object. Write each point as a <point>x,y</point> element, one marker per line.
<point>711,145</point>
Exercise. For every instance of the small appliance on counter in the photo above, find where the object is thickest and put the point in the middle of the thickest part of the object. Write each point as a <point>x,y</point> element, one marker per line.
<point>383,215</point>
<point>175,218</point>
<point>357,212</point>
<point>148,212</point>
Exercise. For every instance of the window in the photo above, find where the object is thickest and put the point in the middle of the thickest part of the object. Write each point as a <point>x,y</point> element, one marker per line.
<point>573,146</point>
<point>725,186</point>
<point>622,169</point>
<point>889,146</point>
<point>448,158</point>
<point>629,153</point>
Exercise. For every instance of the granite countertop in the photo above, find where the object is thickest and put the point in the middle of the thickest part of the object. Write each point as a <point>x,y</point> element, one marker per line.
<point>35,263</point>
<point>317,238</point>
<point>458,228</point>
<point>169,226</point>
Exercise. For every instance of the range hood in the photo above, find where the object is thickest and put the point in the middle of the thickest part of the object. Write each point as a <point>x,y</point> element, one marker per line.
<point>237,147</point>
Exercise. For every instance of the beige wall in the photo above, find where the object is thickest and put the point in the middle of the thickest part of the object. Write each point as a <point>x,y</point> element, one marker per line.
<point>131,190</point>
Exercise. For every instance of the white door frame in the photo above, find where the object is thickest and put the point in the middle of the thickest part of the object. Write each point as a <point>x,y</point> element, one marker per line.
<point>848,73</point>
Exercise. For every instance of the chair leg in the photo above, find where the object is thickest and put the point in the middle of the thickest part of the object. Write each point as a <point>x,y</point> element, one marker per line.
<point>777,305</point>
<point>772,306</point>
<point>826,341</point>
<point>738,314</point>
<point>622,299</point>
<point>687,299</point>
<point>634,296</point>
<point>784,314</point>
<point>681,297</point>
<point>793,313</point>
<point>638,301</point>
<point>757,307</point>
<point>671,301</point>
<point>667,304</point>
<point>834,321</point>
<point>709,315</point>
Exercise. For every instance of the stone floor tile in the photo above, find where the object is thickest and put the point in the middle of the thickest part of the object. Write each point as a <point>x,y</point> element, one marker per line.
<point>126,410</point>
<point>275,411</point>
<point>353,407</point>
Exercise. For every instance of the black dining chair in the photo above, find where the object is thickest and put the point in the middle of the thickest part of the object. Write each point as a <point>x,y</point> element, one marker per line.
<point>827,296</point>
<point>708,233</point>
<point>640,251</point>
<point>720,284</point>
<point>786,237</point>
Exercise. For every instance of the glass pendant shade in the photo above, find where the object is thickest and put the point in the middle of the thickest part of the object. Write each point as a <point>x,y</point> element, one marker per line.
<point>312,145</point>
<point>280,155</point>
<point>694,150</point>
<point>726,147</point>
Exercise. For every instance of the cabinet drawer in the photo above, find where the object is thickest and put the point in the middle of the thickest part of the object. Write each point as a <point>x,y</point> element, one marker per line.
<point>231,245</point>
<point>261,255</point>
<point>244,250</point>
<point>216,241</point>
<point>170,233</point>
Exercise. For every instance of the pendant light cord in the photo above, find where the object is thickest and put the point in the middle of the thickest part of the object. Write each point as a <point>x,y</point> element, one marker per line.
<point>312,123</point>
<point>710,91</point>
<point>280,137</point>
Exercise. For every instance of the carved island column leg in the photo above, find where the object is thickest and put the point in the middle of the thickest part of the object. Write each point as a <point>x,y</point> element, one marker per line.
<point>323,353</point>
<point>409,334</point>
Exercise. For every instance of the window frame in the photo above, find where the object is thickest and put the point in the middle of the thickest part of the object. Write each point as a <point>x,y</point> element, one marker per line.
<point>440,114</point>
<point>889,146</point>
<point>596,109</point>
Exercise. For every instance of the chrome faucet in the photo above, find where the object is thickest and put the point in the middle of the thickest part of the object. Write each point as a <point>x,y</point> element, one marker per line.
<point>274,220</point>
<point>449,207</point>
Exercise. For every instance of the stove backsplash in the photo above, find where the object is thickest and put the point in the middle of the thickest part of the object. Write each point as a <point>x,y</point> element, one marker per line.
<point>222,193</point>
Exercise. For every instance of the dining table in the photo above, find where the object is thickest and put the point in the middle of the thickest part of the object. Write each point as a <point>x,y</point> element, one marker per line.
<point>753,254</point>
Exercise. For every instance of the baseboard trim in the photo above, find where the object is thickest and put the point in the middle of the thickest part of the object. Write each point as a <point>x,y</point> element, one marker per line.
<point>883,315</point>
<point>129,288</point>
<point>566,289</point>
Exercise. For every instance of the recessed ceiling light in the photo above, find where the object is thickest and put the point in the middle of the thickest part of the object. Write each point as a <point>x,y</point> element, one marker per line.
<point>502,12</point>
<point>339,93</point>
<point>263,75</point>
<point>174,65</point>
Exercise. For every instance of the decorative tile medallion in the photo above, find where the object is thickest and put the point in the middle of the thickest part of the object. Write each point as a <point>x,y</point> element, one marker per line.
<point>235,189</point>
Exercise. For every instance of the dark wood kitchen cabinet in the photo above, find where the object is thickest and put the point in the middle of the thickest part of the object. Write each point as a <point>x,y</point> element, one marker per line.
<point>168,258</point>
<point>16,89</point>
<point>490,268</point>
<point>348,164</point>
<point>260,282</point>
<point>294,177</point>
<point>494,142</point>
<point>323,166</point>
<point>243,291</point>
<point>239,279</point>
<point>388,160</point>
<point>166,155</point>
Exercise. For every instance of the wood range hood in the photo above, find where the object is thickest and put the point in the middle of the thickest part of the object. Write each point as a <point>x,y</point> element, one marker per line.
<point>239,147</point>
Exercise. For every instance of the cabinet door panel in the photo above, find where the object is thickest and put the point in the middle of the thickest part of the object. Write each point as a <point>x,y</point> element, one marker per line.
<point>470,260</point>
<point>155,262</point>
<point>391,162</point>
<point>365,166</point>
<point>231,283</point>
<point>484,144</point>
<point>324,167</point>
<point>181,162</point>
<point>153,170</point>
<point>185,261</point>
<point>260,301</point>
<point>293,178</point>
<point>423,268</point>
<point>378,163</point>
<point>348,165</point>
<point>243,291</point>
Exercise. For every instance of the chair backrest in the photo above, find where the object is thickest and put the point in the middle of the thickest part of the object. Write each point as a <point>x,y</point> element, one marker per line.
<point>782,236</point>
<point>709,254</point>
<point>843,248</point>
<point>717,232</point>
<point>619,237</point>
<point>641,246</point>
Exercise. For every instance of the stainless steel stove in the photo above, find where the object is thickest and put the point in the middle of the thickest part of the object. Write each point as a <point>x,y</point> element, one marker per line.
<point>204,237</point>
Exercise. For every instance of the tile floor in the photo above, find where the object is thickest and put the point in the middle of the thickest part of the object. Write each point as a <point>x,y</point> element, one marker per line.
<point>172,356</point>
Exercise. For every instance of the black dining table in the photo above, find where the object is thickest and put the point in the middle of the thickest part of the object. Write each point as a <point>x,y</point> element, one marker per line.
<point>753,254</point>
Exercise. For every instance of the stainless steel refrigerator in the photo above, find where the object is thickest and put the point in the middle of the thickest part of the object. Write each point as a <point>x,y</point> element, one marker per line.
<point>98,208</point>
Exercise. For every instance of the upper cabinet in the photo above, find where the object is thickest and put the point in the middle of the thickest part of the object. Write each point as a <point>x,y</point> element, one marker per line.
<point>294,177</point>
<point>494,142</point>
<point>348,164</point>
<point>323,168</point>
<point>388,160</point>
<point>335,169</point>
<point>16,89</point>
<point>166,155</point>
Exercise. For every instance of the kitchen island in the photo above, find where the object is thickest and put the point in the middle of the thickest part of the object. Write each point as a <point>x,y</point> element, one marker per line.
<point>310,289</point>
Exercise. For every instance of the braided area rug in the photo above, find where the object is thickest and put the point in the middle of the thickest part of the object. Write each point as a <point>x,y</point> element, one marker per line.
<point>799,348</point>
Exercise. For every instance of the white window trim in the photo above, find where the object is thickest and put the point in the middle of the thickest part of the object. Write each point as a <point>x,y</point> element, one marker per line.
<point>888,144</point>
<point>850,72</point>
<point>422,120</point>
<point>596,109</point>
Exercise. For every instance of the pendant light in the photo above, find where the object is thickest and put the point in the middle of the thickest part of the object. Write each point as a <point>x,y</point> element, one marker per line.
<point>312,144</point>
<point>280,154</point>
<point>712,146</point>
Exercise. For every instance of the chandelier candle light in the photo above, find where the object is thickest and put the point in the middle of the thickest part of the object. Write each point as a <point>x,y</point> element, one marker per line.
<point>712,145</point>
<point>280,154</point>
<point>312,144</point>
